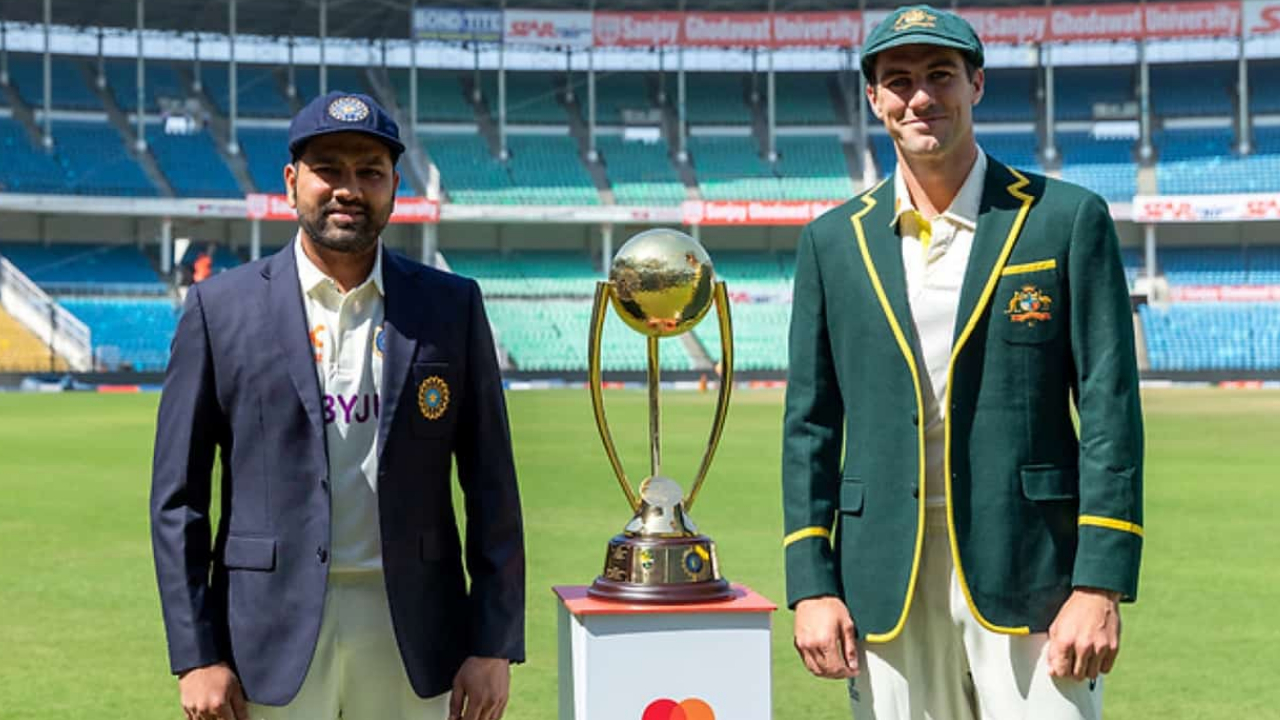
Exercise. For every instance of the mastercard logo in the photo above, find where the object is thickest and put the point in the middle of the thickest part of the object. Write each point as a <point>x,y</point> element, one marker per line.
<point>690,709</point>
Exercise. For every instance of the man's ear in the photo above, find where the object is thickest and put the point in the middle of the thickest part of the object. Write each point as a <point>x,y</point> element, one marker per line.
<point>291,184</point>
<point>979,84</point>
<point>871,100</point>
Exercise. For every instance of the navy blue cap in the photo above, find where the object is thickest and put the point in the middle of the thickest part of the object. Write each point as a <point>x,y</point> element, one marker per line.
<point>344,112</point>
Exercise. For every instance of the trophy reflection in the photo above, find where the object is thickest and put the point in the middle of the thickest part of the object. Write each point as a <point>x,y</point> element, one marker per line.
<point>661,284</point>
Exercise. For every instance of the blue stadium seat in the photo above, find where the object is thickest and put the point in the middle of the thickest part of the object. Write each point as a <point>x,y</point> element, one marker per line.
<point>1105,166</point>
<point>1017,149</point>
<point>337,77</point>
<point>192,164</point>
<point>96,161</point>
<point>1203,161</point>
<point>257,90</point>
<point>1212,336</point>
<point>27,168</point>
<point>128,332</point>
<point>1264,86</point>
<point>70,91</point>
<point>266,151</point>
<point>1185,89</point>
<point>161,81</point>
<point>1078,88</point>
<point>1009,96</point>
<point>85,267</point>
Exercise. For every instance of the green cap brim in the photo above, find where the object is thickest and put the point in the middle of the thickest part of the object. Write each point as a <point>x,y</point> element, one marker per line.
<point>917,37</point>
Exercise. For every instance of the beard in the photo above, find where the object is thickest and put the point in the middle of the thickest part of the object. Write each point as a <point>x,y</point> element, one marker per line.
<point>354,237</point>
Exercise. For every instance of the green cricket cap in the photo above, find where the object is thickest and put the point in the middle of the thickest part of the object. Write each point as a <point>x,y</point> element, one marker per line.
<point>921,25</point>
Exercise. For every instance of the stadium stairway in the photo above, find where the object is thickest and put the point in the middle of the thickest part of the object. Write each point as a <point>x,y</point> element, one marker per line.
<point>21,351</point>
<point>220,129</point>
<point>581,133</point>
<point>121,123</point>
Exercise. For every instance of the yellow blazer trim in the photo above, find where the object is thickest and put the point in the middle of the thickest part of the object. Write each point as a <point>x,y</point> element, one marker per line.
<point>907,354</point>
<point>806,533</point>
<point>1016,191</point>
<point>1112,524</point>
<point>1030,267</point>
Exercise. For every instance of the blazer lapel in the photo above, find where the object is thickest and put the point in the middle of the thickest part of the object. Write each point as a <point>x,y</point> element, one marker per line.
<point>1006,199</point>
<point>289,318</point>
<point>881,250</point>
<point>400,328</point>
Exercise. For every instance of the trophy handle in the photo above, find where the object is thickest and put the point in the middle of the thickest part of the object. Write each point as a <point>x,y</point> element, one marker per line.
<point>726,387</point>
<point>604,291</point>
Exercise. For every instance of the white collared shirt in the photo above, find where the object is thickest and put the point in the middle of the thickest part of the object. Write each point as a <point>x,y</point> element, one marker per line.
<point>346,339</point>
<point>935,255</point>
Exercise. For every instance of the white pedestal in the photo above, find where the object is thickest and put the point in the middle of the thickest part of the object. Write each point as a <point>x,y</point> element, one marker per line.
<point>621,661</point>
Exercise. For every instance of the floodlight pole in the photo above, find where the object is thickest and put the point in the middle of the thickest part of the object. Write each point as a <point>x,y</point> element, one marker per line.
<point>197,81</point>
<point>4,52</point>
<point>413,74</point>
<point>101,80</point>
<point>1244,145</point>
<point>166,247</point>
<point>682,132</point>
<point>1050,105</point>
<point>48,77</point>
<point>255,239</point>
<point>324,35</point>
<point>503,153</point>
<point>292,90</point>
<point>592,155</point>
<point>1144,102</point>
<point>233,142</point>
<point>141,142</point>
<point>1149,247</point>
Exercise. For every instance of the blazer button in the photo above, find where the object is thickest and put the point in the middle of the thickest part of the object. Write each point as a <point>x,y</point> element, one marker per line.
<point>915,418</point>
<point>324,485</point>
<point>915,491</point>
<point>322,555</point>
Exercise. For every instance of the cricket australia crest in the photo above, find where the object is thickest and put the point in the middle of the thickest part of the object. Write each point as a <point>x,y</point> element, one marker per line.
<point>1029,305</point>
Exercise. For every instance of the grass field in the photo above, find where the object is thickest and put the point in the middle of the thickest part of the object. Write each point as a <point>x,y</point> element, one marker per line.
<point>80,631</point>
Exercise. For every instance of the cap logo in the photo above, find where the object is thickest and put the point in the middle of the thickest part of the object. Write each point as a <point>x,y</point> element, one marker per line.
<point>348,109</point>
<point>915,18</point>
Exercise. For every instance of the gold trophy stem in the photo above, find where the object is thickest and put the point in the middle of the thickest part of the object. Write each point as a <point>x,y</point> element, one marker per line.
<point>726,387</point>
<point>594,383</point>
<point>655,442</point>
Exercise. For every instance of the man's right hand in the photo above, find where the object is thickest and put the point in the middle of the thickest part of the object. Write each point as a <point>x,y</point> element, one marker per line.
<point>824,638</point>
<point>212,693</point>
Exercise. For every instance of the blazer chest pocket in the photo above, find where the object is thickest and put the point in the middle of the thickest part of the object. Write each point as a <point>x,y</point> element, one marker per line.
<point>434,398</point>
<point>1028,307</point>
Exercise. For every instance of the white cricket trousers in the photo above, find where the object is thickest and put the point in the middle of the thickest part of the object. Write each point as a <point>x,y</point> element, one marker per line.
<point>356,672</point>
<point>945,666</point>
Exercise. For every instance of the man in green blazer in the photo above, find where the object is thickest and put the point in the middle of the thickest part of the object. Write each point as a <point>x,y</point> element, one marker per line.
<point>962,547</point>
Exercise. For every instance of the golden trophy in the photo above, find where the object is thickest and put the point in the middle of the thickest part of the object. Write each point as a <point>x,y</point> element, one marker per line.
<point>661,284</point>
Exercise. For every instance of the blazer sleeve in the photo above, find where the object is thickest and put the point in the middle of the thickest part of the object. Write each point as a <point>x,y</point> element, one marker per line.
<point>486,471</point>
<point>1106,389</point>
<point>188,427</point>
<point>812,422</point>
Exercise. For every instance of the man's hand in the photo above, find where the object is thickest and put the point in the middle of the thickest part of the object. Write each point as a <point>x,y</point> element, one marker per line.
<point>825,638</point>
<point>212,693</point>
<point>1085,637</point>
<point>481,687</point>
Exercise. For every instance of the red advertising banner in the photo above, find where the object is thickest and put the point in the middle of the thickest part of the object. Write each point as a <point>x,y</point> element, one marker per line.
<point>1206,208</point>
<point>727,29</point>
<point>1011,26</point>
<point>1192,19</point>
<point>260,206</point>
<point>1095,22</point>
<point>817,29</point>
<point>637,29</point>
<point>1261,17</point>
<point>1224,293</point>
<point>739,212</point>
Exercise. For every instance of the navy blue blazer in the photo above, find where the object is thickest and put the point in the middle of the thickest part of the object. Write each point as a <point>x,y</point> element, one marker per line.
<point>242,381</point>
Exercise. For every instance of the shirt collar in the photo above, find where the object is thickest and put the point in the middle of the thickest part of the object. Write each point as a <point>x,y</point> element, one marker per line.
<point>964,207</point>
<point>313,277</point>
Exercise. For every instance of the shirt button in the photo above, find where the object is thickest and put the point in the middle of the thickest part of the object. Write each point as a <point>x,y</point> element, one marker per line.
<point>322,555</point>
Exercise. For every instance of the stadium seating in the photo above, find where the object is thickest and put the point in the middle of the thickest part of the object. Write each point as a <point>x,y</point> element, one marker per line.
<point>730,168</point>
<point>161,81</point>
<point>714,99</point>
<point>759,335</point>
<point>26,167</point>
<point>70,91</point>
<point>813,167</point>
<point>802,99</point>
<point>337,77</point>
<point>615,92</point>
<point>754,272</point>
<point>440,96</point>
<point>1105,166</point>
<point>527,274</point>
<point>84,267</point>
<point>266,151</point>
<point>1212,336</point>
<point>1264,86</point>
<point>96,161</point>
<point>20,350</point>
<point>1009,96</point>
<point>640,173</point>
<point>257,90</point>
<point>128,332</point>
<point>545,169</point>
<point>1011,148</point>
<point>552,336</point>
<point>1077,89</point>
<point>1184,89</point>
<point>1203,161</point>
<point>532,97</point>
<point>192,164</point>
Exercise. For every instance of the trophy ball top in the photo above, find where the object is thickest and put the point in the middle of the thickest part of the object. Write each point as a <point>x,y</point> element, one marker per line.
<point>661,492</point>
<point>663,282</point>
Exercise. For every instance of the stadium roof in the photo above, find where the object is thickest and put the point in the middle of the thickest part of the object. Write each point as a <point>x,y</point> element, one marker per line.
<point>367,18</point>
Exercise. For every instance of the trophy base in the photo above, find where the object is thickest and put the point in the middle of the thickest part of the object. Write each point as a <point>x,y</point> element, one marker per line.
<point>661,570</point>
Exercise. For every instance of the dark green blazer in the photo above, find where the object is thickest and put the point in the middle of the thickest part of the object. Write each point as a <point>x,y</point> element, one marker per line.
<point>1034,507</point>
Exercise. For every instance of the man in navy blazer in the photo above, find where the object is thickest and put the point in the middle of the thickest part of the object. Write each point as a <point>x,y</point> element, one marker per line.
<point>334,383</point>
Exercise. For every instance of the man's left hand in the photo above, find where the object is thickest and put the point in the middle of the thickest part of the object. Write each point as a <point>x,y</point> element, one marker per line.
<point>1085,637</point>
<point>480,689</point>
